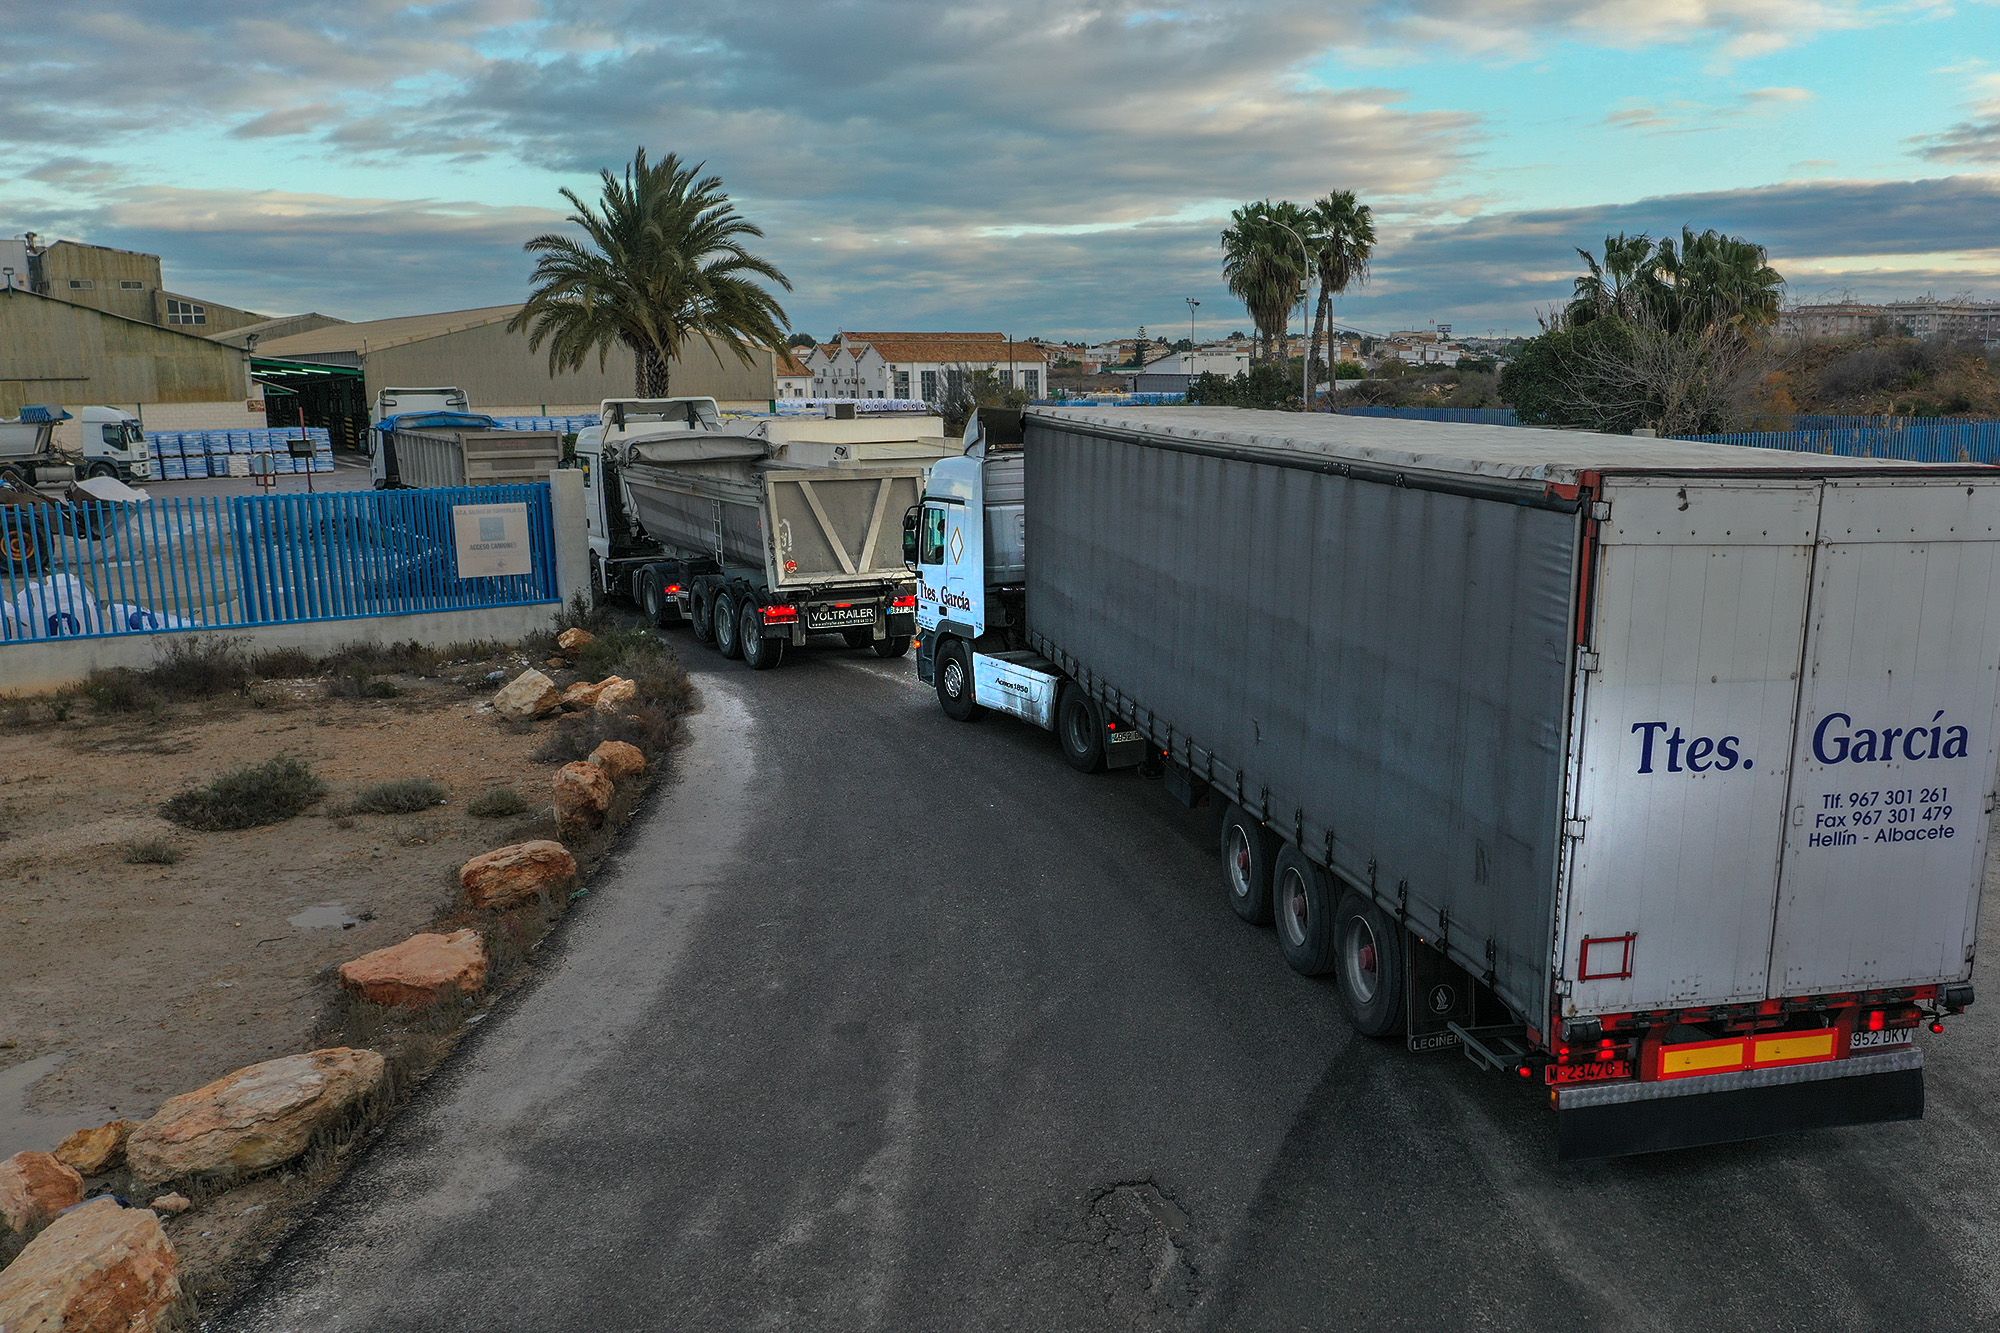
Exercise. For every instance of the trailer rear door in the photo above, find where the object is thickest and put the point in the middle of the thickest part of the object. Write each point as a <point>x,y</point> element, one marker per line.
<point>1894,758</point>
<point>1683,737</point>
<point>839,525</point>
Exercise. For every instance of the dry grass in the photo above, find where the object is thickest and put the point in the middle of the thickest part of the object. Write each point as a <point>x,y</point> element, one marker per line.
<point>497,803</point>
<point>403,796</point>
<point>152,852</point>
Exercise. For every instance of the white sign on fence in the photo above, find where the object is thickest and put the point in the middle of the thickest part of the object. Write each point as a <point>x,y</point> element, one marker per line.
<point>492,540</point>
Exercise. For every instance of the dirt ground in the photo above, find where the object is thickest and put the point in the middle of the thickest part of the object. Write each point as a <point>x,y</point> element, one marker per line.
<point>120,984</point>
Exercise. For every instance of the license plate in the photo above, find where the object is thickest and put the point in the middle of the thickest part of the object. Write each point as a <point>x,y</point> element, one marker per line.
<point>842,617</point>
<point>1870,1041</point>
<point>1591,1071</point>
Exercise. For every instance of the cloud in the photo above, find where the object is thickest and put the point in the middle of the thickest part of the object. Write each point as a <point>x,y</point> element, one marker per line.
<point>1975,139</point>
<point>1692,117</point>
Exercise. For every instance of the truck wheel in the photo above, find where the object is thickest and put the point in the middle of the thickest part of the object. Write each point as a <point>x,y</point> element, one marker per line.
<point>19,552</point>
<point>659,608</point>
<point>1302,899</point>
<point>1246,866</point>
<point>727,640</point>
<point>857,638</point>
<point>103,470</point>
<point>893,646</point>
<point>954,682</point>
<point>761,653</point>
<point>1080,728</point>
<point>701,615</point>
<point>1372,966</point>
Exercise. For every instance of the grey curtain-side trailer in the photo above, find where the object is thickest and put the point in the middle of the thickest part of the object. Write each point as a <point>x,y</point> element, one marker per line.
<point>1654,773</point>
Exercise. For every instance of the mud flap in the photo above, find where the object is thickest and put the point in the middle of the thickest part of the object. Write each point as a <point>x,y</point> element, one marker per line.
<point>1439,994</point>
<point>1625,1119</point>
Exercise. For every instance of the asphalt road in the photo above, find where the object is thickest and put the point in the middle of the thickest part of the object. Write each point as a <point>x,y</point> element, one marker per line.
<point>884,1021</point>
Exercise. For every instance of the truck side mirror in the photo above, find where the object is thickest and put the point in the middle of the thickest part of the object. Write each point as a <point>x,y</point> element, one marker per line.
<point>910,538</point>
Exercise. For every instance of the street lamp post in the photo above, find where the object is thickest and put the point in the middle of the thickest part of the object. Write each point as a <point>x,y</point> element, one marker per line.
<point>1305,287</point>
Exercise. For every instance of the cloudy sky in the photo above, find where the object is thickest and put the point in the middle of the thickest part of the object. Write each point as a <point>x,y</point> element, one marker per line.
<point>1045,168</point>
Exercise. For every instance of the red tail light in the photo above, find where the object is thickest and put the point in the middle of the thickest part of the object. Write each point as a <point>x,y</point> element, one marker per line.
<point>1876,1020</point>
<point>673,590</point>
<point>1937,1026</point>
<point>779,615</point>
<point>903,603</point>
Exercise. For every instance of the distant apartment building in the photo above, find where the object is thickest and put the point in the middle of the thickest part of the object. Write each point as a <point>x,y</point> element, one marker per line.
<point>1420,347</point>
<point>1173,372</point>
<point>1976,321</point>
<point>917,365</point>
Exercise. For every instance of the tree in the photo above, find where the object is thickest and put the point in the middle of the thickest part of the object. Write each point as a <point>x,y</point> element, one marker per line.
<point>1269,385</point>
<point>662,259</point>
<point>1263,265</point>
<point>1342,240</point>
<point>1664,335</point>
<point>801,340</point>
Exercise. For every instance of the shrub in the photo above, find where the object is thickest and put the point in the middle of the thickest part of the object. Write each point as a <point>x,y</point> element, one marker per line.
<point>122,690</point>
<point>496,804</point>
<point>360,685</point>
<point>283,664</point>
<point>402,796</point>
<point>248,797</point>
<point>647,725</point>
<point>200,666</point>
<point>152,852</point>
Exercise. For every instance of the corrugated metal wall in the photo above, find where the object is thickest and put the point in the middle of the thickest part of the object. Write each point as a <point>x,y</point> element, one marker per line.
<point>1387,668</point>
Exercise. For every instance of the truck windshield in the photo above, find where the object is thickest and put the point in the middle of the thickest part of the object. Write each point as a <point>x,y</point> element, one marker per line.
<point>122,434</point>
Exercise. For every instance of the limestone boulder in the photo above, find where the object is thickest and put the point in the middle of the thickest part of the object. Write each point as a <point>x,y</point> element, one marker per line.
<point>582,695</point>
<point>615,694</point>
<point>260,1116</point>
<point>575,639</point>
<point>92,1152</point>
<point>583,794</point>
<point>529,695</point>
<point>34,1187</point>
<point>420,971</point>
<point>508,876</point>
<point>98,1269</point>
<point>171,1205</point>
<point>619,759</point>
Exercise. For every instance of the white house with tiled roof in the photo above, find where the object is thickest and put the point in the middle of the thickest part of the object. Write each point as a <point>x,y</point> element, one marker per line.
<point>795,377</point>
<point>920,365</point>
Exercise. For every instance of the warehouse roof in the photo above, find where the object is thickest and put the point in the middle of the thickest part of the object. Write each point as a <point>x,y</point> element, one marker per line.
<point>945,348</point>
<point>375,334</point>
<point>1512,453</point>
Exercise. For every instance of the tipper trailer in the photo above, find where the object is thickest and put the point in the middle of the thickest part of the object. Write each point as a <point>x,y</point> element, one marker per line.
<point>1655,773</point>
<point>715,527</point>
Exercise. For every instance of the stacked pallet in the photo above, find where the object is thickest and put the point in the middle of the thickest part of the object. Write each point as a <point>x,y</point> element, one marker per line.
<point>186,454</point>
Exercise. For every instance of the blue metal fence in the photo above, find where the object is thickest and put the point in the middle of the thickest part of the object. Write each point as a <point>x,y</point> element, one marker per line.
<point>1463,416</point>
<point>232,562</point>
<point>1905,439</point>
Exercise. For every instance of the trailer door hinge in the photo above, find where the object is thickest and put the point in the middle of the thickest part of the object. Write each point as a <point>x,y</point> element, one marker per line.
<point>1600,510</point>
<point>1586,660</point>
<point>1573,828</point>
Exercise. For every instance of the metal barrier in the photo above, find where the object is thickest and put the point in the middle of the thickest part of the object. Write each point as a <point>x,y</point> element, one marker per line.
<point>232,562</point>
<point>1905,439</point>
<point>1462,416</point>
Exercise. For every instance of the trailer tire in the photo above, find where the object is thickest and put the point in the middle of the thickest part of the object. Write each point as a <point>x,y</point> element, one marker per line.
<point>1080,730</point>
<point>893,646</point>
<point>954,681</point>
<point>1247,851</point>
<point>659,608</point>
<point>1372,966</point>
<point>20,553</point>
<point>857,638</point>
<point>727,640</point>
<point>1302,901</point>
<point>760,652</point>
<point>701,614</point>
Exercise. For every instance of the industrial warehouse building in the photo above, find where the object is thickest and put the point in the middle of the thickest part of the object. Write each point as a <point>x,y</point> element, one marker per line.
<point>337,370</point>
<point>61,353</point>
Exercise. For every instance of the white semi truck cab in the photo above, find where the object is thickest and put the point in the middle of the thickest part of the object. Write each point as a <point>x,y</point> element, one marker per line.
<point>49,444</point>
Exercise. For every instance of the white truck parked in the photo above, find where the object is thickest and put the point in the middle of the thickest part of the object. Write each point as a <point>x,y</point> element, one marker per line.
<point>1656,774</point>
<point>439,407</point>
<point>46,445</point>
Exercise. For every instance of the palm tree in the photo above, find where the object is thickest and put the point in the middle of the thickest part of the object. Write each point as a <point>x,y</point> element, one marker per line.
<point>1264,266</point>
<point>1342,240</point>
<point>1629,276</point>
<point>1724,279</point>
<point>662,260</point>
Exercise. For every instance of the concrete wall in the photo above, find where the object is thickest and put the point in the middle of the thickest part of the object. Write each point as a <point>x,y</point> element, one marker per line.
<point>496,367</point>
<point>57,352</point>
<point>40,667</point>
<point>213,316</point>
<point>67,262</point>
<point>228,414</point>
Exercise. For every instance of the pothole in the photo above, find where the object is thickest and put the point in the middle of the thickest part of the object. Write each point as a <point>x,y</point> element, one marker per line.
<point>1140,1234</point>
